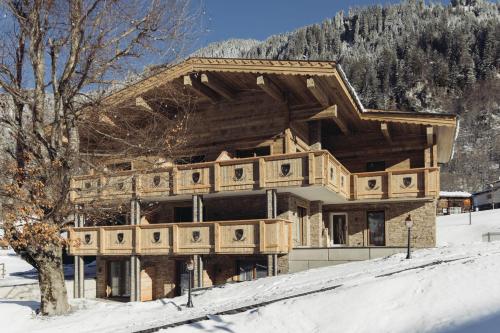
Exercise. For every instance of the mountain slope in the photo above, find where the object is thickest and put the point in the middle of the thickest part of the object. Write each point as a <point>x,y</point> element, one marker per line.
<point>417,57</point>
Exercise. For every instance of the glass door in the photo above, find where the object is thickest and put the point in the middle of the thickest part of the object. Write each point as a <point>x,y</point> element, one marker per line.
<point>376,228</point>
<point>119,278</point>
<point>338,229</point>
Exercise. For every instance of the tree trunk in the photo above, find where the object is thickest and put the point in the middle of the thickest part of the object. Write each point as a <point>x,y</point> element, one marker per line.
<point>53,294</point>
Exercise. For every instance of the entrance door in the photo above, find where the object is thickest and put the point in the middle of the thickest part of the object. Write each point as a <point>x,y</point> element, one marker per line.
<point>338,229</point>
<point>119,278</point>
<point>300,236</point>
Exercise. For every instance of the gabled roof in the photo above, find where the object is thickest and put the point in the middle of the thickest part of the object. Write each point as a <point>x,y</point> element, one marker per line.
<point>292,75</point>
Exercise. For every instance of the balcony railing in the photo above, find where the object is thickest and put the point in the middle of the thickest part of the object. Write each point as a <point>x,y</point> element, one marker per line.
<point>274,171</point>
<point>318,168</point>
<point>273,236</point>
<point>410,183</point>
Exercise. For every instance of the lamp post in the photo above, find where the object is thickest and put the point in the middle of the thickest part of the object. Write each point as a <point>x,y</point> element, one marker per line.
<point>409,224</point>
<point>491,186</point>
<point>190,269</point>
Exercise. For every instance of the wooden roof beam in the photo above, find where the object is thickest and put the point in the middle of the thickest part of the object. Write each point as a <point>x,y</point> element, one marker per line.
<point>218,86</point>
<point>318,93</point>
<point>270,88</point>
<point>141,103</point>
<point>200,89</point>
<point>384,127</point>
<point>429,131</point>
<point>341,123</point>
<point>311,115</point>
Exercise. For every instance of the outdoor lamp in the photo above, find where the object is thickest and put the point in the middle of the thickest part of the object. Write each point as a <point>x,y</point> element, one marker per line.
<point>190,269</point>
<point>409,224</point>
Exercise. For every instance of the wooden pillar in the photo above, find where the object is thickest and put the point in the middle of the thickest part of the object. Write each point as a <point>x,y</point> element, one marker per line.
<point>135,262</point>
<point>315,134</point>
<point>197,208</point>
<point>79,265</point>
<point>272,203</point>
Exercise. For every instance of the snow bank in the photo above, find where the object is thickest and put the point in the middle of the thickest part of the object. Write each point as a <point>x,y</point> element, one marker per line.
<point>453,288</point>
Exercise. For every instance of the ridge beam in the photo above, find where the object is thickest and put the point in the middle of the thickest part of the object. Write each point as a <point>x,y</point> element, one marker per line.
<point>429,131</point>
<point>218,86</point>
<point>270,88</point>
<point>318,93</point>
<point>384,127</point>
<point>200,89</point>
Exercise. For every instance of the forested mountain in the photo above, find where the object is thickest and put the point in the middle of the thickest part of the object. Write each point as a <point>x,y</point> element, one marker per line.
<point>417,57</point>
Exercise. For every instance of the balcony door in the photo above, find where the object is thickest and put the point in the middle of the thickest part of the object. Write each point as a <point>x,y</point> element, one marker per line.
<point>338,229</point>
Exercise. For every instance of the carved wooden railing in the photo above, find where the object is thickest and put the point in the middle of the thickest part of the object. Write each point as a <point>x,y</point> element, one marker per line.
<point>274,171</point>
<point>273,236</point>
<point>409,183</point>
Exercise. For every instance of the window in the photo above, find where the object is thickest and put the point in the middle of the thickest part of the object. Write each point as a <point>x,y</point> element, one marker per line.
<point>251,270</point>
<point>183,214</point>
<point>376,228</point>
<point>253,152</point>
<point>375,166</point>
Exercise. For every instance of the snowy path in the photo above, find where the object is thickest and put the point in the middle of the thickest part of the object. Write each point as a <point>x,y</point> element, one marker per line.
<point>439,289</point>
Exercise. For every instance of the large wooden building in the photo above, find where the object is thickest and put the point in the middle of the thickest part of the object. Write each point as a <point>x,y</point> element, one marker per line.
<point>287,159</point>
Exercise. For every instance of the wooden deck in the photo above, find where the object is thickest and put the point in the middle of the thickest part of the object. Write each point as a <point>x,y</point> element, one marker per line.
<point>273,236</point>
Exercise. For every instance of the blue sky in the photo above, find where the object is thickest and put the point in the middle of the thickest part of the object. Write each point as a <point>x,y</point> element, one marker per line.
<point>258,19</point>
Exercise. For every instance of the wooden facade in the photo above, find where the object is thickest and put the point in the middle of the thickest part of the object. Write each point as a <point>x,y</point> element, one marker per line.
<point>286,156</point>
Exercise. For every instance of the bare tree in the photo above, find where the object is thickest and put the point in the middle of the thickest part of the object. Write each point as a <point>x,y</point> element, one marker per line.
<point>57,60</point>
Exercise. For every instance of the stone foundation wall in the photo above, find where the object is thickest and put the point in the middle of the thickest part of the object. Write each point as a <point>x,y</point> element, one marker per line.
<point>423,214</point>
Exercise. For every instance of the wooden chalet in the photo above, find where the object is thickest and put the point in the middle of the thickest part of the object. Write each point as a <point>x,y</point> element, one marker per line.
<point>288,163</point>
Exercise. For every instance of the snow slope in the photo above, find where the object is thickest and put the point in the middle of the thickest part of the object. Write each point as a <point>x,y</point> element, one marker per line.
<point>452,288</point>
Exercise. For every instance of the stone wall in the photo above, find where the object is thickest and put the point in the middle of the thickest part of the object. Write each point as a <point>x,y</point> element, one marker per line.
<point>423,214</point>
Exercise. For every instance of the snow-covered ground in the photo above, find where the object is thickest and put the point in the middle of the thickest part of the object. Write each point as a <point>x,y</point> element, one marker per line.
<point>17,271</point>
<point>452,288</point>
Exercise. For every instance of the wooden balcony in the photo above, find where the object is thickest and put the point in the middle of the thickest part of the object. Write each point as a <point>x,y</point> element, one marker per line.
<point>272,236</point>
<point>246,174</point>
<point>318,168</point>
<point>410,183</point>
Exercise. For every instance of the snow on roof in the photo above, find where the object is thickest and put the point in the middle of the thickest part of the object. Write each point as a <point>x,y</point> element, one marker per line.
<point>455,194</point>
<point>350,88</point>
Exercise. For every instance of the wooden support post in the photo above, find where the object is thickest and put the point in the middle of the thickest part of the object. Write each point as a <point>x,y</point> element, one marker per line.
<point>315,134</point>
<point>272,204</point>
<point>175,238</point>
<point>216,237</point>
<point>175,181</point>
<point>426,182</point>
<point>217,177</point>
<point>262,236</point>
<point>389,184</point>
<point>311,167</point>
<point>197,208</point>
<point>262,173</point>
<point>102,240</point>
<point>355,187</point>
